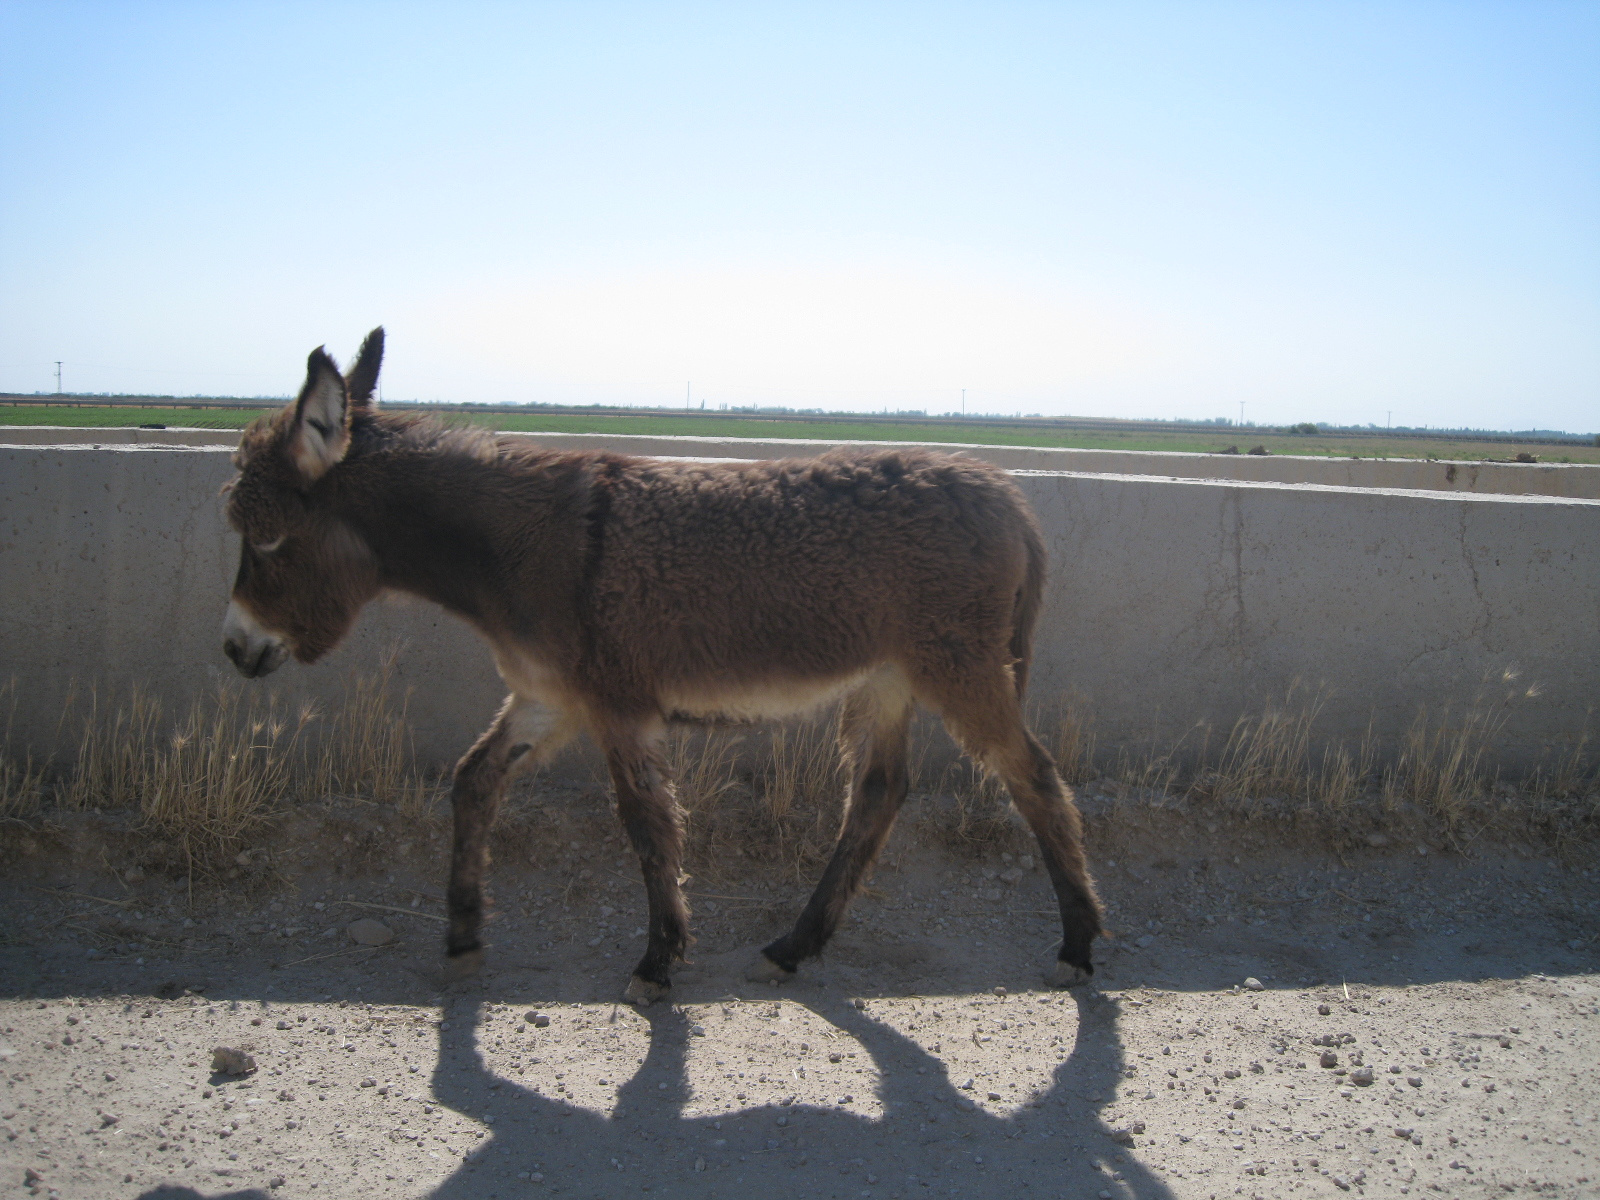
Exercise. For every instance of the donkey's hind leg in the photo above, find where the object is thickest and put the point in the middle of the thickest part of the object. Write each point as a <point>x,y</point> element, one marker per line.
<point>523,735</point>
<point>988,724</point>
<point>872,738</point>
<point>650,815</point>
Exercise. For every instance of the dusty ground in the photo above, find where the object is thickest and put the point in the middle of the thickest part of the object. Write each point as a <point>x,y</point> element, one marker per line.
<point>922,1058</point>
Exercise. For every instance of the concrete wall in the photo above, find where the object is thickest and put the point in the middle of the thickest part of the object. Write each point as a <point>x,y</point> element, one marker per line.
<point>1572,480</point>
<point>1171,601</point>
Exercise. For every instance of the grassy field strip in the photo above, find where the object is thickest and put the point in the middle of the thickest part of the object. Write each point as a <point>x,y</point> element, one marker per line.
<point>1329,445</point>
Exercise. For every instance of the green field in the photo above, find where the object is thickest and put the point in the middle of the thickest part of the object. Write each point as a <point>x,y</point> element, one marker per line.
<point>741,426</point>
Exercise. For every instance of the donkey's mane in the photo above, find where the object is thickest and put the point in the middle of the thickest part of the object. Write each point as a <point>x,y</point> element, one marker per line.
<point>421,433</point>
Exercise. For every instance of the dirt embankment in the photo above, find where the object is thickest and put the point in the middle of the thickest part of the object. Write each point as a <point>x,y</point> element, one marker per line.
<point>1455,1000</point>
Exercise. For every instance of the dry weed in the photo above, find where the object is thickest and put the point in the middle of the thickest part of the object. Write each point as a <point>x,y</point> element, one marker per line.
<point>233,761</point>
<point>21,782</point>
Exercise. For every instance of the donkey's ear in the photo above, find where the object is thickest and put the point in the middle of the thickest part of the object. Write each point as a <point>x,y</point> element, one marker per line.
<point>319,434</point>
<point>363,376</point>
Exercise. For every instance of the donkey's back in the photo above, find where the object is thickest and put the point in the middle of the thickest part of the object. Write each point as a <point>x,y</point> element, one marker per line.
<point>767,581</point>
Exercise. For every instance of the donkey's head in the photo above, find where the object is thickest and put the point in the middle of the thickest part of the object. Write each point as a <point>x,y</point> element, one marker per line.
<point>304,571</point>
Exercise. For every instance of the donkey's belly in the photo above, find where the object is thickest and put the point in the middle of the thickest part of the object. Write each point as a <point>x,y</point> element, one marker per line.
<point>765,701</point>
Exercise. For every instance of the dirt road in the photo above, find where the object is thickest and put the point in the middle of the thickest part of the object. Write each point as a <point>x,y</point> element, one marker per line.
<point>1455,1000</point>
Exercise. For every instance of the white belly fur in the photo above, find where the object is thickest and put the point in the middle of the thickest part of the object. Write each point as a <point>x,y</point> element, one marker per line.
<point>532,681</point>
<point>768,701</point>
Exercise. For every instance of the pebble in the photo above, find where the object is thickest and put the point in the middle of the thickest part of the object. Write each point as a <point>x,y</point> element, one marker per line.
<point>1414,1080</point>
<point>228,1061</point>
<point>1377,839</point>
<point>284,1025</point>
<point>1329,1059</point>
<point>1253,984</point>
<point>1323,1010</point>
<point>537,1019</point>
<point>370,932</point>
<point>369,1082</point>
<point>1361,1077</point>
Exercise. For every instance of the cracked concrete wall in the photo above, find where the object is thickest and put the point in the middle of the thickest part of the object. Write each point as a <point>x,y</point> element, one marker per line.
<point>1171,602</point>
<point>1572,480</point>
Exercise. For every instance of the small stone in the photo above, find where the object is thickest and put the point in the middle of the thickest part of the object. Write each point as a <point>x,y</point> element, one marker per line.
<point>1339,1181</point>
<point>999,991</point>
<point>369,1082</point>
<point>1026,862</point>
<point>1254,985</point>
<point>698,1031</point>
<point>1361,1077</point>
<point>1414,1080</point>
<point>369,932</point>
<point>1123,1137</point>
<point>1323,1010</point>
<point>284,1025</point>
<point>1403,1133</point>
<point>1238,1105</point>
<point>994,1095</point>
<point>225,1060</point>
<point>1328,1059</point>
<point>1011,875</point>
<point>1377,839</point>
<point>1505,1043</point>
<point>134,875</point>
<point>32,1176</point>
<point>276,1181</point>
<point>537,1019</point>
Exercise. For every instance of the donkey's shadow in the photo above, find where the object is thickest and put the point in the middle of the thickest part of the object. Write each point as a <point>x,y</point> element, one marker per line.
<point>931,1140</point>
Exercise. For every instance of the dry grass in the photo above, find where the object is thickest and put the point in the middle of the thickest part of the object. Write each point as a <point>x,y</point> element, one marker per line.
<point>207,782</point>
<point>780,807</point>
<point>21,782</point>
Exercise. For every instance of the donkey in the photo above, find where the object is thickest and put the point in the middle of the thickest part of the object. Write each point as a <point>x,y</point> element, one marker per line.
<point>620,594</point>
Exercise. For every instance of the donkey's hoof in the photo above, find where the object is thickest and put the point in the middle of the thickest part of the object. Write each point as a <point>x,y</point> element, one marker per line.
<point>644,993</point>
<point>1065,975</point>
<point>463,966</point>
<point>764,970</point>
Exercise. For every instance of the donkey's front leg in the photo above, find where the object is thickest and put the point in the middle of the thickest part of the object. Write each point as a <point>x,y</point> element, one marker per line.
<point>524,735</point>
<point>650,815</point>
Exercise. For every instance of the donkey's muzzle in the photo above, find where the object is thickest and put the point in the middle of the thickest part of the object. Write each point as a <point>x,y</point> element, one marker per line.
<point>252,650</point>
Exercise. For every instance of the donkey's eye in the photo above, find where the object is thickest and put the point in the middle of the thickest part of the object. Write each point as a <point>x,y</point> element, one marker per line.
<point>266,547</point>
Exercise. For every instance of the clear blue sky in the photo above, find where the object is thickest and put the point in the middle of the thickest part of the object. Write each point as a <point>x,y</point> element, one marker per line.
<point>1327,211</point>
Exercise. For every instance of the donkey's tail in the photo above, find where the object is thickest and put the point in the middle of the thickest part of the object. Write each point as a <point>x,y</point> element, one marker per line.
<point>1030,595</point>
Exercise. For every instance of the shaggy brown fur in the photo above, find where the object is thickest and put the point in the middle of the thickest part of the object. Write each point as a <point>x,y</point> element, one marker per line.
<point>620,593</point>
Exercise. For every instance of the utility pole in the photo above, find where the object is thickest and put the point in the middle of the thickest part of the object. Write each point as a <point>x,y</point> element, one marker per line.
<point>1241,414</point>
<point>58,377</point>
<point>963,402</point>
<point>1391,419</point>
<point>688,390</point>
